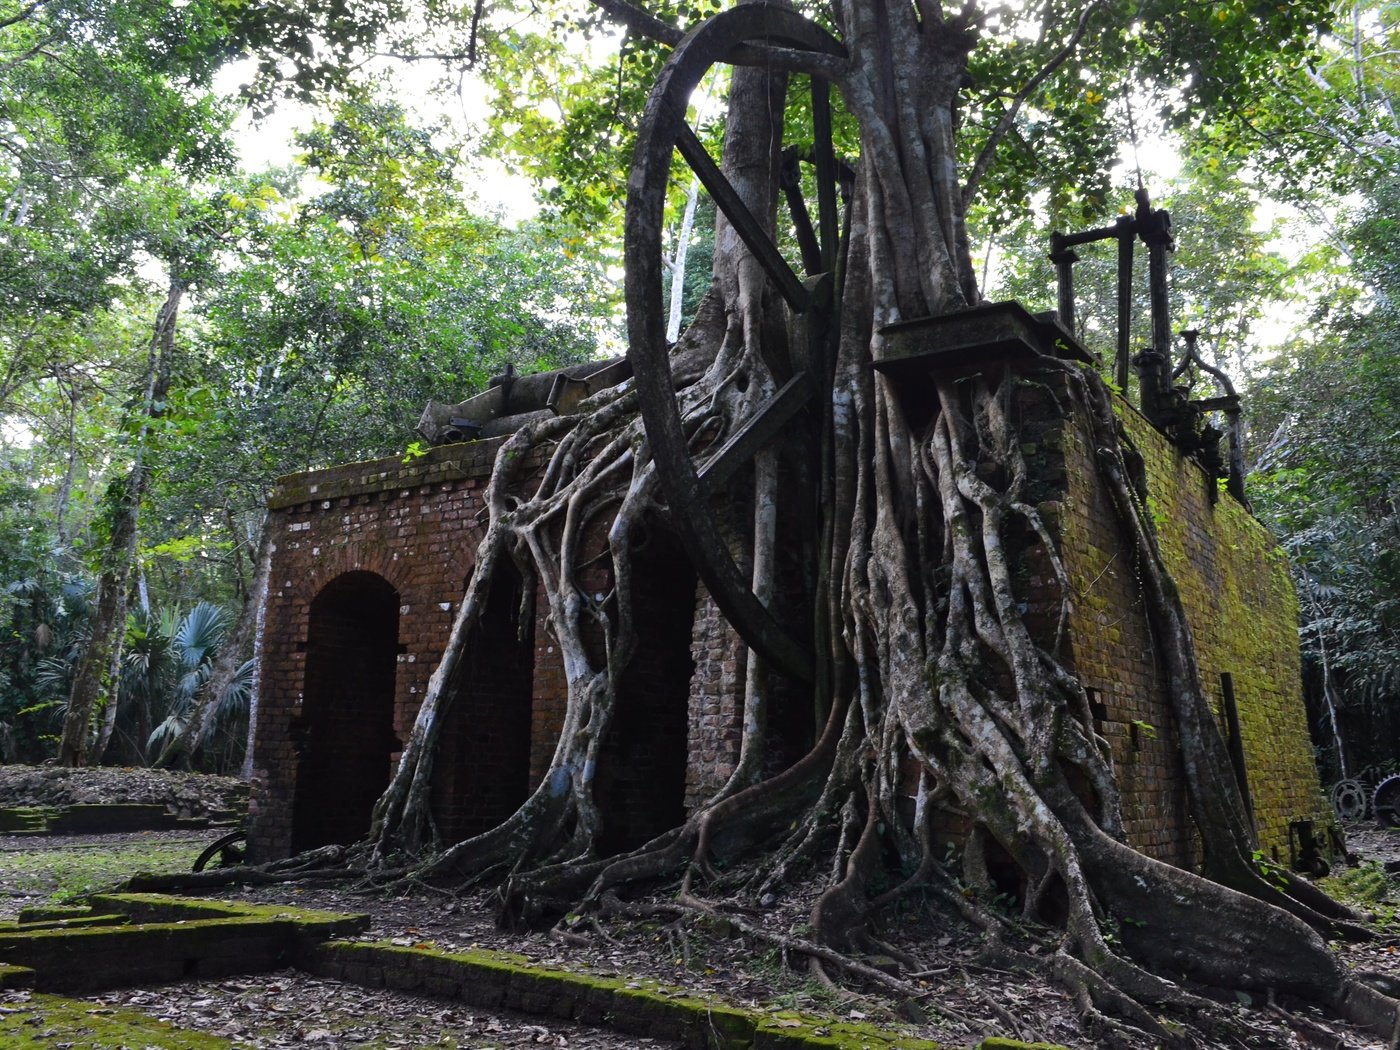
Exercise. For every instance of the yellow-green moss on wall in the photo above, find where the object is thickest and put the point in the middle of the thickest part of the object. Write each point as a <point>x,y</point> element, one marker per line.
<point>1239,601</point>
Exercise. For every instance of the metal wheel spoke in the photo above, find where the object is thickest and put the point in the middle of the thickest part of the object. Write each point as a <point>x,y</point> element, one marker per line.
<point>762,427</point>
<point>749,229</point>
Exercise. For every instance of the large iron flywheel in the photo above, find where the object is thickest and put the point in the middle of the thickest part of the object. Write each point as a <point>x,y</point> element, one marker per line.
<point>664,130</point>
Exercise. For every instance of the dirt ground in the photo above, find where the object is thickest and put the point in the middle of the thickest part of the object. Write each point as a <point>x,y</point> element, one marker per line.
<point>960,1002</point>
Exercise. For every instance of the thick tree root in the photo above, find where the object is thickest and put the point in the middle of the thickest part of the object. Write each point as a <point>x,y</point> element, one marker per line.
<point>934,689</point>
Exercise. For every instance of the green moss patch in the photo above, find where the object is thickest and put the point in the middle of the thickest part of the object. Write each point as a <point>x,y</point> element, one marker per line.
<point>33,1020</point>
<point>63,875</point>
<point>26,820</point>
<point>75,923</point>
<point>162,907</point>
<point>48,913</point>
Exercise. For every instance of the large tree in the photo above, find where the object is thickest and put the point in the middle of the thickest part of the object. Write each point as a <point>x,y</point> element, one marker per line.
<point>920,646</point>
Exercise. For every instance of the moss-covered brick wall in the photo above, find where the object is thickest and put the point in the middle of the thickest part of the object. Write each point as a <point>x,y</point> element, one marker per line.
<point>1239,600</point>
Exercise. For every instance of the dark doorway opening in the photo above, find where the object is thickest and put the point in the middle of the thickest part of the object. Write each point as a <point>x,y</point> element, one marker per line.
<point>484,764</point>
<point>344,736</point>
<point>640,784</point>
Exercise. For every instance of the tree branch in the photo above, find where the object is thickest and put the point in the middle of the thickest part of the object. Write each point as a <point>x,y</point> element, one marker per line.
<point>640,21</point>
<point>22,14</point>
<point>644,23</point>
<point>989,148</point>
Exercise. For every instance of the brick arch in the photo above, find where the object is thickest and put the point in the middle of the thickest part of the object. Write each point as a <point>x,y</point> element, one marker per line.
<point>348,557</point>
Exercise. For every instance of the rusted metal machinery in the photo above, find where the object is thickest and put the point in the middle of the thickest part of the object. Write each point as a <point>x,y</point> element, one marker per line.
<point>1167,405</point>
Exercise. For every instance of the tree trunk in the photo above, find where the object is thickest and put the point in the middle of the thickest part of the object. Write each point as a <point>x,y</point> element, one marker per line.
<point>260,583</point>
<point>98,677</point>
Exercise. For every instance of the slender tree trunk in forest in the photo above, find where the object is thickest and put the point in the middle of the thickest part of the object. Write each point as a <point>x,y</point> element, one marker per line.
<point>259,610</point>
<point>185,748</point>
<point>923,650</point>
<point>673,326</point>
<point>98,675</point>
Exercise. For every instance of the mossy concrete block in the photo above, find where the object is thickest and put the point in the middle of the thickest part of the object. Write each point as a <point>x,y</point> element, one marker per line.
<point>645,1008</point>
<point>76,923</point>
<point>162,907</point>
<point>16,976</point>
<point>26,820</point>
<point>166,938</point>
<point>997,1043</point>
<point>106,817</point>
<point>49,912</point>
<point>94,958</point>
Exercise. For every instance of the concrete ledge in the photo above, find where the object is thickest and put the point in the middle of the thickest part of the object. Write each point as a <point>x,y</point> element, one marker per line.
<point>104,818</point>
<point>472,459</point>
<point>15,976</point>
<point>499,981</point>
<point>167,939</point>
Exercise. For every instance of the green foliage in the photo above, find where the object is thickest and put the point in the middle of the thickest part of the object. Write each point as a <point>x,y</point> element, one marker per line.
<point>1327,122</point>
<point>1325,416</point>
<point>349,310</point>
<point>1366,884</point>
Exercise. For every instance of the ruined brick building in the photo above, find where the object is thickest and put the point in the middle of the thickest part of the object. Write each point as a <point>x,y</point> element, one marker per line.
<point>371,560</point>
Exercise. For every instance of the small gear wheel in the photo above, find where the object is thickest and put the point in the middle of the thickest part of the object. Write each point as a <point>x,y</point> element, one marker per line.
<point>1349,799</point>
<point>1385,803</point>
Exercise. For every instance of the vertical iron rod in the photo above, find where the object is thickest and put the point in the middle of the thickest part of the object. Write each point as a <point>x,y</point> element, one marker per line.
<point>1127,232</point>
<point>1064,259</point>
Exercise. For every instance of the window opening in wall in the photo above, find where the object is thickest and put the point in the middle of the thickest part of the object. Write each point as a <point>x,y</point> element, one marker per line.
<point>344,735</point>
<point>484,763</point>
<point>641,772</point>
<point>1098,710</point>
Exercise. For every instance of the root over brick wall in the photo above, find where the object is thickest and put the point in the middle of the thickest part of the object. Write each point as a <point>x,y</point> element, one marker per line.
<point>350,539</point>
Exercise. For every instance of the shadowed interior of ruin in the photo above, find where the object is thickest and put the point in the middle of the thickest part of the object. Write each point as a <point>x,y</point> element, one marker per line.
<point>486,741</point>
<point>344,734</point>
<point>641,775</point>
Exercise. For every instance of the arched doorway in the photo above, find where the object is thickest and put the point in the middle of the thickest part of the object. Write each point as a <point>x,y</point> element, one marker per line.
<point>344,736</point>
<point>483,764</point>
<point>640,785</point>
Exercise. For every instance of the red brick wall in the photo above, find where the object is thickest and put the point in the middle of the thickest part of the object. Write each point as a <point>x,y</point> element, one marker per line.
<point>717,701</point>
<point>1235,588</point>
<point>416,526</point>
